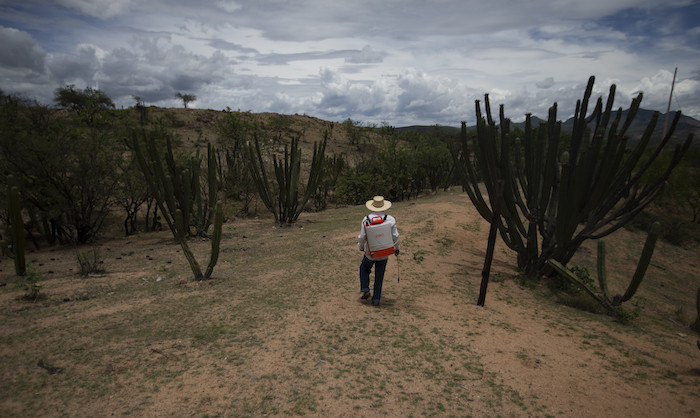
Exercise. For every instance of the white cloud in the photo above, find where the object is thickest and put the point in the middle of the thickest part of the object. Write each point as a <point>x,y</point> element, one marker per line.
<point>18,50</point>
<point>400,61</point>
<point>365,56</point>
<point>102,9</point>
<point>69,68</point>
<point>546,83</point>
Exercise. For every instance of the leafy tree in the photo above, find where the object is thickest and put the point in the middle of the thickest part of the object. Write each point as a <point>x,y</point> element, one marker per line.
<point>64,166</point>
<point>355,131</point>
<point>86,103</point>
<point>186,98</point>
<point>433,159</point>
<point>682,196</point>
<point>356,183</point>
<point>386,171</point>
<point>278,125</point>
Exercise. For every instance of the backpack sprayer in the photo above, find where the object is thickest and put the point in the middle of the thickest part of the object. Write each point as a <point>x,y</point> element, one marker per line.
<point>380,242</point>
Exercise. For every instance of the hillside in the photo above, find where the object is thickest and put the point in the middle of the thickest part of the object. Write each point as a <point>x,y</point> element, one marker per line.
<point>198,126</point>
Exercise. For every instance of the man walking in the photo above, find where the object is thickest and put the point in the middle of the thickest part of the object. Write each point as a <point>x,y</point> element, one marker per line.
<point>378,238</point>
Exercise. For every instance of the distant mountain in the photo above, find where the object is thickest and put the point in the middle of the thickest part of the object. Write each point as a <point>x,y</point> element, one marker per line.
<point>428,129</point>
<point>686,125</point>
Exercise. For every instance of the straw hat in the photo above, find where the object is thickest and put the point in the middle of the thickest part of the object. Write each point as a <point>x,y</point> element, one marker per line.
<point>378,204</point>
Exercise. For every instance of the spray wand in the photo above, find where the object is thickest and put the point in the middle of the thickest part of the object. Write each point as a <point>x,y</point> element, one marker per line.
<point>398,270</point>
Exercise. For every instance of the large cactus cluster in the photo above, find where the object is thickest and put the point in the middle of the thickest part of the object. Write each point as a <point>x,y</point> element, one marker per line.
<point>15,228</point>
<point>282,197</point>
<point>185,207</point>
<point>602,295</point>
<point>558,195</point>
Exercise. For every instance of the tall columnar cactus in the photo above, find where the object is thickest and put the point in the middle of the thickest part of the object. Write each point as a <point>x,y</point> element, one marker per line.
<point>283,200</point>
<point>562,194</point>
<point>178,195</point>
<point>602,295</point>
<point>15,228</point>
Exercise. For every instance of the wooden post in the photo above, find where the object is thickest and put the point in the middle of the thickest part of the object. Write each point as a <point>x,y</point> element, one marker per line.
<point>496,208</point>
<point>668,109</point>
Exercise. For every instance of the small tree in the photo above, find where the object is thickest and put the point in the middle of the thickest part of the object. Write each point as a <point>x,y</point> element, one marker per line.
<point>86,103</point>
<point>131,192</point>
<point>142,110</point>
<point>355,131</point>
<point>64,167</point>
<point>186,98</point>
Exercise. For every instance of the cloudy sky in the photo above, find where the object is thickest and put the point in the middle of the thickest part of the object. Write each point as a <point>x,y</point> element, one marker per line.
<point>401,62</point>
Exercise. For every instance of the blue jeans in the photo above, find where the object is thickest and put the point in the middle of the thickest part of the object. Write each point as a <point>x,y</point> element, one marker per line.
<point>365,270</point>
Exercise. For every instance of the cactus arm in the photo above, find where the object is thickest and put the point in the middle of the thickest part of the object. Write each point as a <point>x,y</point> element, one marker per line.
<point>526,160</point>
<point>212,182</point>
<point>580,122</point>
<point>565,223</point>
<point>216,239</point>
<point>468,176</point>
<point>565,273</point>
<point>617,218</point>
<point>182,239</point>
<point>259,175</point>
<point>602,272</point>
<point>610,159</point>
<point>697,306</point>
<point>198,209</point>
<point>293,174</point>
<point>486,145</point>
<point>315,173</point>
<point>644,261</point>
<point>550,165</point>
<point>169,197</point>
<point>183,188</point>
<point>634,107</point>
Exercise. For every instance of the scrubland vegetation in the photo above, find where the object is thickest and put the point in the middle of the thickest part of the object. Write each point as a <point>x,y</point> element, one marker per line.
<point>93,183</point>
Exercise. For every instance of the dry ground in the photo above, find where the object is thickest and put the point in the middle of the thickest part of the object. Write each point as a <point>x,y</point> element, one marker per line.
<point>281,329</point>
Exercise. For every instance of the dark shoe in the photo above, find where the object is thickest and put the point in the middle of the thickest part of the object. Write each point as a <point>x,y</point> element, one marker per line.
<point>375,303</point>
<point>365,295</point>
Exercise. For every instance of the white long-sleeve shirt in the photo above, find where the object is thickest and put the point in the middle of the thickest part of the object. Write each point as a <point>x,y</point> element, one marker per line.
<point>362,238</point>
